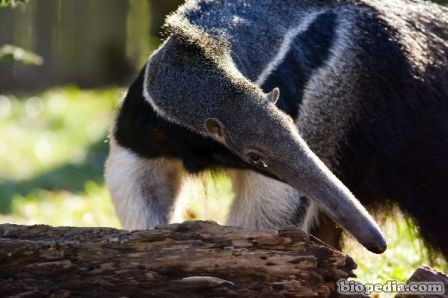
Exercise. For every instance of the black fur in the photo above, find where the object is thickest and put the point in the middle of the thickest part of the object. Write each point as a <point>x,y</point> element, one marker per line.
<point>305,56</point>
<point>397,150</point>
<point>140,129</point>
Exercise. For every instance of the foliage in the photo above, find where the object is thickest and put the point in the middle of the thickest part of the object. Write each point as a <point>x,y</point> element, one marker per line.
<point>405,253</point>
<point>52,153</point>
<point>6,3</point>
<point>13,53</point>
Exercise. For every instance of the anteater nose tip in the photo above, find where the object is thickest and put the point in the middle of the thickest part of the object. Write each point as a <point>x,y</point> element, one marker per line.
<point>378,246</point>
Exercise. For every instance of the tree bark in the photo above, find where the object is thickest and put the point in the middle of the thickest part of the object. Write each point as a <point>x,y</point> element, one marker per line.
<point>192,259</point>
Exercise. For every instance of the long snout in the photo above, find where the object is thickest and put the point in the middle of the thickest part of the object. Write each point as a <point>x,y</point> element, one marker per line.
<point>309,175</point>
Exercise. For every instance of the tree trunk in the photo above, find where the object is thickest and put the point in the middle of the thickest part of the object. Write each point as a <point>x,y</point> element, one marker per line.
<point>192,259</point>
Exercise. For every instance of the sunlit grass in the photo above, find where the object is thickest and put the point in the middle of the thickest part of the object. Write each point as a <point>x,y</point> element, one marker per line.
<point>405,253</point>
<point>40,132</point>
<point>90,207</point>
<point>52,152</point>
<point>207,197</point>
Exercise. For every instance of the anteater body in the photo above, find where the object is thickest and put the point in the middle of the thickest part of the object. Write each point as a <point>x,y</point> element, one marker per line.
<point>365,83</point>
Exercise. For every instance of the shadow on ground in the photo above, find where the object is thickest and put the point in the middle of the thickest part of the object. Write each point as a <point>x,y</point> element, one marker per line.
<point>66,177</point>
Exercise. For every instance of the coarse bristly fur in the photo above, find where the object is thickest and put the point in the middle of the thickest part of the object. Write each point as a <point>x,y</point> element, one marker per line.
<point>366,83</point>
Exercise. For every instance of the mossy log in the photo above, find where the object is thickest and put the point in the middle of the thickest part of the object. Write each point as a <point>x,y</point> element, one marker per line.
<point>192,259</point>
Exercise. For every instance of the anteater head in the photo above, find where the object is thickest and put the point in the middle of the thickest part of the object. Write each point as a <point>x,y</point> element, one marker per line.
<point>192,81</point>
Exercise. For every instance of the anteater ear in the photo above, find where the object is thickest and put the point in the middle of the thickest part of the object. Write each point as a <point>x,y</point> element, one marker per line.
<point>274,95</point>
<point>215,129</point>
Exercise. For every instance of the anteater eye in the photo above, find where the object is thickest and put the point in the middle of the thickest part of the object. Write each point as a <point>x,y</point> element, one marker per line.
<point>256,159</point>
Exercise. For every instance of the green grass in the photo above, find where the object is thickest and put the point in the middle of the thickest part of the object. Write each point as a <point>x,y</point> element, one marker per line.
<point>405,253</point>
<point>52,152</point>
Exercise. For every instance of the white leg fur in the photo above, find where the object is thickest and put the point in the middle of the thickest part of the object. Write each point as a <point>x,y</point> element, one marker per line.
<point>311,217</point>
<point>261,202</point>
<point>143,191</point>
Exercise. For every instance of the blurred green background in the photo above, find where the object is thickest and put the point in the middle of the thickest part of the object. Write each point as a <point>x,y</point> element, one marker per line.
<point>57,106</point>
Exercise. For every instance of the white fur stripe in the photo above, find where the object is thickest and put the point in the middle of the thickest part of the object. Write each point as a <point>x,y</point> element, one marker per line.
<point>286,46</point>
<point>159,110</point>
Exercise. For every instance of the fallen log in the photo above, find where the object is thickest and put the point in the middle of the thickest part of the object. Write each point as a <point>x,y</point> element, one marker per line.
<point>192,259</point>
